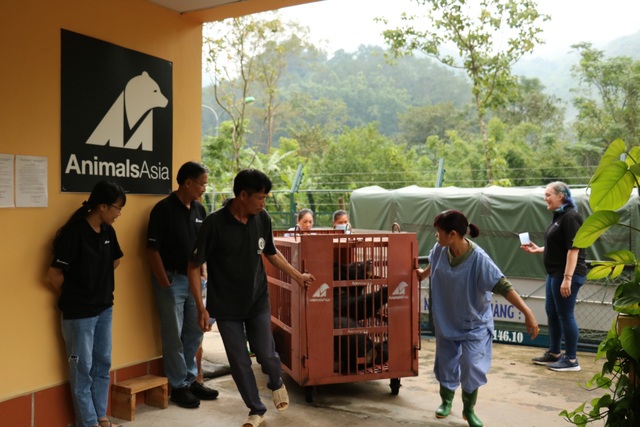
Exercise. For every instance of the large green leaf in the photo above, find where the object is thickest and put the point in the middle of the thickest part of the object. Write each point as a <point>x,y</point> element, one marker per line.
<point>623,256</point>
<point>611,187</point>
<point>630,340</point>
<point>600,270</point>
<point>593,227</point>
<point>634,155</point>
<point>611,155</point>
<point>627,298</point>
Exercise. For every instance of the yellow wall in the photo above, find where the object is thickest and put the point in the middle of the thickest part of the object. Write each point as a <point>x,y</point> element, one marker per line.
<point>32,352</point>
<point>31,355</point>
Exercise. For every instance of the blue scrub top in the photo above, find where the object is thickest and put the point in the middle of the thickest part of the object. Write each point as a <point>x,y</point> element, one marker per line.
<point>461,295</point>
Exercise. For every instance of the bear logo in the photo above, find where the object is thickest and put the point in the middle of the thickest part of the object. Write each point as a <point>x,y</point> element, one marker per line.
<point>321,292</point>
<point>136,102</point>
<point>400,290</point>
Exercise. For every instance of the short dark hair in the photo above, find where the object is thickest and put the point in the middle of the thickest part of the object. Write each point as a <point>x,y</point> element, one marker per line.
<point>190,170</point>
<point>337,214</point>
<point>453,220</point>
<point>303,212</point>
<point>252,181</point>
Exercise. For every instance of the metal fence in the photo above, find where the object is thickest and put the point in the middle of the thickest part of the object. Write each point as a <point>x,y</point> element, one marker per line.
<point>594,311</point>
<point>284,205</point>
<point>594,307</point>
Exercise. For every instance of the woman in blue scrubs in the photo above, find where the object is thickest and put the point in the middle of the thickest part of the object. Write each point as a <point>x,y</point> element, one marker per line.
<point>463,278</point>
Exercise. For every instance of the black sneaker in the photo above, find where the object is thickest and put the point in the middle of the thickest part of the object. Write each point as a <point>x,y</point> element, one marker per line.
<point>184,398</point>
<point>202,392</point>
<point>565,365</point>
<point>545,359</point>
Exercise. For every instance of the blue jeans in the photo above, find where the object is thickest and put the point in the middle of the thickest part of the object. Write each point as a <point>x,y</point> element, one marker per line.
<point>560,315</point>
<point>258,332</point>
<point>88,344</point>
<point>181,336</point>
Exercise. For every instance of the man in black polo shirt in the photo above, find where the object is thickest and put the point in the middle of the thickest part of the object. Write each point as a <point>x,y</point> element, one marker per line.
<point>231,242</point>
<point>173,226</point>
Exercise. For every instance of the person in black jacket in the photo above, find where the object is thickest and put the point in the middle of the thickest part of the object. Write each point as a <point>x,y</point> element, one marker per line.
<point>566,273</point>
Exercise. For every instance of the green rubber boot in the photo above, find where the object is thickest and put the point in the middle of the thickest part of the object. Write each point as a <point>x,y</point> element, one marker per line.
<point>447,399</point>
<point>469,401</point>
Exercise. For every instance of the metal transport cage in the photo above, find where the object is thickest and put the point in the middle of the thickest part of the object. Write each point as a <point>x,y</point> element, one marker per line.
<point>359,320</point>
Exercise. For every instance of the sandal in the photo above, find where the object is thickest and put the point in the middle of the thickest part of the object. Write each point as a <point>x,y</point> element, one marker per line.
<point>106,422</point>
<point>253,421</point>
<point>281,398</point>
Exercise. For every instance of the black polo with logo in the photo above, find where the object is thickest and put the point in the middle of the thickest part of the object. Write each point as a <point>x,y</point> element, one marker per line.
<point>237,281</point>
<point>86,260</point>
<point>173,229</point>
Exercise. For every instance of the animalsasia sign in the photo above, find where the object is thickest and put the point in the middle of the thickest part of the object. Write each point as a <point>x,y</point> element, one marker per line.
<point>127,169</point>
<point>116,117</point>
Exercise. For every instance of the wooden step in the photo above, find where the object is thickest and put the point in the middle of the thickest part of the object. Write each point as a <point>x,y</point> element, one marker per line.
<point>123,395</point>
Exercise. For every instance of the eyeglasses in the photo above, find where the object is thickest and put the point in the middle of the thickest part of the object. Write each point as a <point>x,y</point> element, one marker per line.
<point>118,208</point>
<point>200,184</point>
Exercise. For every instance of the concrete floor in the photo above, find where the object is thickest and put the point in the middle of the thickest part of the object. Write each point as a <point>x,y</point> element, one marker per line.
<point>518,393</point>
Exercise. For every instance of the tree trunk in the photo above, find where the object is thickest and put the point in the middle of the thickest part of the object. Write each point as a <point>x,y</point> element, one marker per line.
<point>485,139</point>
<point>269,128</point>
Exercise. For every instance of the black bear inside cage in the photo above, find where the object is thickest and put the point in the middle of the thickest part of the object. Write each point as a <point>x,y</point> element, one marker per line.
<point>357,304</point>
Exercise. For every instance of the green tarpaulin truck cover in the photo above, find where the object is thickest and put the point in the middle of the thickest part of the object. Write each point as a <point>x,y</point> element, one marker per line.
<point>501,213</point>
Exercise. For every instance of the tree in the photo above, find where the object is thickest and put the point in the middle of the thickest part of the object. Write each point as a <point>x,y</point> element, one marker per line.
<point>361,157</point>
<point>523,155</point>
<point>489,36</point>
<point>462,159</point>
<point>313,120</point>
<point>271,69</point>
<point>232,46</point>
<point>531,125</point>
<point>419,123</point>
<point>366,88</point>
<point>528,103</point>
<point>608,100</point>
<point>218,154</point>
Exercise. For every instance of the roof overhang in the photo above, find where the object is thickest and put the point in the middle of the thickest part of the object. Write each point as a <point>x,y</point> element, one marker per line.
<point>216,10</point>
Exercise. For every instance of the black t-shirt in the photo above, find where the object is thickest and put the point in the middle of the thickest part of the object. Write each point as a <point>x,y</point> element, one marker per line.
<point>558,239</point>
<point>173,229</point>
<point>86,260</point>
<point>237,281</point>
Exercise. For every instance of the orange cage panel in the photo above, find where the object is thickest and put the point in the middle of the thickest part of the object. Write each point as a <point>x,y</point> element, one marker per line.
<point>359,320</point>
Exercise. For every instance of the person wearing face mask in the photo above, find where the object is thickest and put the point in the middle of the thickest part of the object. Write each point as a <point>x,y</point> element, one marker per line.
<point>341,221</point>
<point>566,273</point>
<point>85,254</point>
<point>463,278</point>
<point>173,226</point>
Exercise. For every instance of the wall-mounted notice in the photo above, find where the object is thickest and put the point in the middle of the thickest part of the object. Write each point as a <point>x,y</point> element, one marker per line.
<point>6,181</point>
<point>31,182</point>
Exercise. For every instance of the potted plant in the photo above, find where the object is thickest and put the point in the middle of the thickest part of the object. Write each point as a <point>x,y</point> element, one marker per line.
<point>611,188</point>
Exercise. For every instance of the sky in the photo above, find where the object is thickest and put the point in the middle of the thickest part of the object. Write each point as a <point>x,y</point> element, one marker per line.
<point>346,24</point>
